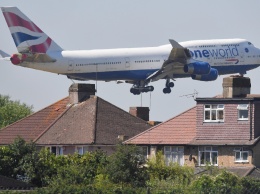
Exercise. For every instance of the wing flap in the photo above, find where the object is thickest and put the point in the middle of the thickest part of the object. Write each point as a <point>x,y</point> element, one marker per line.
<point>175,62</point>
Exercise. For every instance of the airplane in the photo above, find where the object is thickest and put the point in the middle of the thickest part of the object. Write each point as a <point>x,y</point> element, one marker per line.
<point>202,60</point>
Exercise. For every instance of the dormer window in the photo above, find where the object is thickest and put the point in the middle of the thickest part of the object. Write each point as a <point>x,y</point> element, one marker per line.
<point>242,111</point>
<point>214,113</point>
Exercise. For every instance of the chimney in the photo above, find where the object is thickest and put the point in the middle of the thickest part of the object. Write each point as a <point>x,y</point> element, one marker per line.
<point>236,86</point>
<point>141,112</point>
<point>80,92</point>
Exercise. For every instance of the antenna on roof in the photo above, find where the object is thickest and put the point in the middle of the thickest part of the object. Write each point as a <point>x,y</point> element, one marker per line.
<point>193,95</point>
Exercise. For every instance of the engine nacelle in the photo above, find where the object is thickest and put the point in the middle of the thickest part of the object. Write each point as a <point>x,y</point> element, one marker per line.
<point>18,58</point>
<point>213,75</point>
<point>198,68</point>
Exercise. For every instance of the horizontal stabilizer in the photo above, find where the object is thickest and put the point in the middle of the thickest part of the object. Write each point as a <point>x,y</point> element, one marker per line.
<point>3,54</point>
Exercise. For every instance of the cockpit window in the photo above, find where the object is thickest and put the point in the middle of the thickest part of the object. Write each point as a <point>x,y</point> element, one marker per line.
<point>249,43</point>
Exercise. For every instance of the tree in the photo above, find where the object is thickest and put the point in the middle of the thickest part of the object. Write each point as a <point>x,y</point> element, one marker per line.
<point>11,111</point>
<point>126,166</point>
<point>12,155</point>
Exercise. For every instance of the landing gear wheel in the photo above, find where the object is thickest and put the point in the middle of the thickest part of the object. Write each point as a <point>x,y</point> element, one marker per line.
<point>167,90</point>
<point>171,85</point>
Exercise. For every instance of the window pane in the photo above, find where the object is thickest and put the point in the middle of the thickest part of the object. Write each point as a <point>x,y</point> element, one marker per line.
<point>214,148</point>
<point>174,149</point>
<point>208,148</point>
<point>243,114</point>
<point>214,158</point>
<point>207,106</point>
<point>207,115</point>
<point>220,106</point>
<point>174,157</point>
<point>202,158</point>
<point>242,106</point>
<point>181,149</point>
<point>220,115</point>
<point>214,106</point>
<point>167,148</point>
<point>237,156</point>
<point>245,155</point>
<point>207,157</point>
<point>213,115</point>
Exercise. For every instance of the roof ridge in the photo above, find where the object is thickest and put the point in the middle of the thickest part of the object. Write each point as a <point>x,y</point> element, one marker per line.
<point>123,110</point>
<point>32,114</point>
<point>129,140</point>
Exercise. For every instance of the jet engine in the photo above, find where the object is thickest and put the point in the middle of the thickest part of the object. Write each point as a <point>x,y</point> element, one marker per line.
<point>213,75</point>
<point>18,58</point>
<point>198,68</point>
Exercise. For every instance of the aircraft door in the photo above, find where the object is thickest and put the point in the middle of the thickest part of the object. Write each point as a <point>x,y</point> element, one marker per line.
<point>127,63</point>
<point>242,56</point>
<point>71,65</point>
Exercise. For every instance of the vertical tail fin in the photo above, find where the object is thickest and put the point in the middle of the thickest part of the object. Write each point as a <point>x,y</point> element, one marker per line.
<point>27,36</point>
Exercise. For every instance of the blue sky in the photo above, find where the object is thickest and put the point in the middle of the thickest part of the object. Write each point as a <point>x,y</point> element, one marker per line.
<point>125,24</point>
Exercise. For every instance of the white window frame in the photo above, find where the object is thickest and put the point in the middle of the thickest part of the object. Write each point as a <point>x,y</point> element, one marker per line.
<point>242,107</point>
<point>58,149</point>
<point>208,150</point>
<point>174,154</point>
<point>241,151</point>
<point>214,108</point>
<point>79,150</point>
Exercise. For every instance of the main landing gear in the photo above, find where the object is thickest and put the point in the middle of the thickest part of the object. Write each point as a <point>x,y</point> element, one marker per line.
<point>139,90</point>
<point>168,86</point>
<point>140,87</point>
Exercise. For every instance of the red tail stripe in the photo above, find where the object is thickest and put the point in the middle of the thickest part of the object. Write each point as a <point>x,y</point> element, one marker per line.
<point>41,48</point>
<point>14,20</point>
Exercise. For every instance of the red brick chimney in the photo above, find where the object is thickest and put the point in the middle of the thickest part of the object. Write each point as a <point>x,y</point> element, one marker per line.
<point>141,112</point>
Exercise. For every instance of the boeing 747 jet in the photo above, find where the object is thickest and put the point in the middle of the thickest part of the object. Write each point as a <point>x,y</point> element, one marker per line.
<point>201,60</point>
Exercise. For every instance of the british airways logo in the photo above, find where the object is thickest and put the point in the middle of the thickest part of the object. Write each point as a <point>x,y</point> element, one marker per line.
<point>229,51</point>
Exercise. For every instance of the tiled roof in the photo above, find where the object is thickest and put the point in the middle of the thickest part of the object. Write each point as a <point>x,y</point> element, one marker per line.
<point>178,130</point>
<point>32,126</point>
<point>94,121</point>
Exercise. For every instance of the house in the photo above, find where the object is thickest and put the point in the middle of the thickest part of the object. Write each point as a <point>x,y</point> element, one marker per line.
<point>78,123</point>
<point>222,131</point>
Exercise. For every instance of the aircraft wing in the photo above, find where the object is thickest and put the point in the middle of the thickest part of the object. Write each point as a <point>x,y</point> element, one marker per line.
<point>176,61</point>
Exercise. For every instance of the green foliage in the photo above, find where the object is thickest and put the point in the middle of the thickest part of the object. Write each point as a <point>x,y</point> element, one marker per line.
<point>79,169</point>
<point>126,166</point>
<point>39,167</point>
<point>11,157</point>
<point>249,184</point>
<point>158,169</point>
<point>204,184</point>
<point>227,183</point>
<point>11,111</point>
<point>223,183</point>
<point>83,189</point>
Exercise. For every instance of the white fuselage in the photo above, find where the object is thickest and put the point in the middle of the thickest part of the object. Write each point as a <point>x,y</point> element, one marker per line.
<point>227,56</point>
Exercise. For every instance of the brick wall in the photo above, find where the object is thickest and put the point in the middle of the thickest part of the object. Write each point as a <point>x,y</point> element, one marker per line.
<point>230,129</point>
